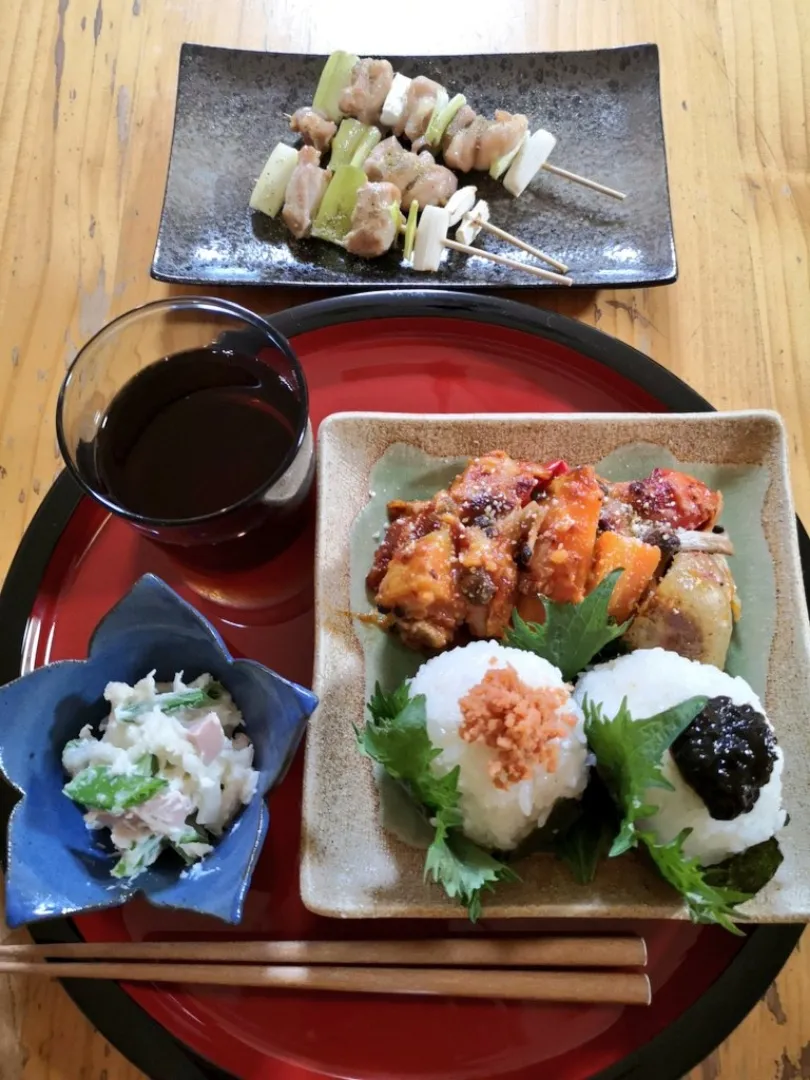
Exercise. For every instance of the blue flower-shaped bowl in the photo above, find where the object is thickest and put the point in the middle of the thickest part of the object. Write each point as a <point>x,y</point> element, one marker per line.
<point>55,865</point>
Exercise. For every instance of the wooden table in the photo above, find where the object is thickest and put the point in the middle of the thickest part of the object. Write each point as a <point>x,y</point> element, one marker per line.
<point>86,97</point>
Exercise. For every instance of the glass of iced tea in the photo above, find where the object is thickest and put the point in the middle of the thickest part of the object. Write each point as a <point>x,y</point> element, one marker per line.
<point>189,418</point>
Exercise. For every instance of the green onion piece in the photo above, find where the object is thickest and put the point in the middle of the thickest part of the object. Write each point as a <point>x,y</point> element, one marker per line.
<point>334,218</point>
<point>499,167</point>
<point>268,194</point>
<point>410,230</point>
<point>441,119</point>
<point>344,144</point>
<point>334,79</point>
<point>365,146</point>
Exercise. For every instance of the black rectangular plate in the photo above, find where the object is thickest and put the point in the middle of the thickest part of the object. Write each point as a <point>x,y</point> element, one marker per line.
<point>604,106</point>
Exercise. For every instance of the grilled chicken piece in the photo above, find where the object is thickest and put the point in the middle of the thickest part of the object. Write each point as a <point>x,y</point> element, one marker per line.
<point>463,118</point>
<point>316,130</point>
<point>391,162</point>
<point>490,559</point>
<point>374,225</point>
<point>562,556</point>
<point>408,522</point>
<point>462,149</point>
<point>672,498</point>
<point>502,134</point>
<point>365,95</point>
<point>305,191</point>
<point>691,611</point>
<point>419,107</point>
<point>421,588</point>
<point>492,486</point>
<point>488,580</point>
<point>417,177</point>
<point>433,185</point>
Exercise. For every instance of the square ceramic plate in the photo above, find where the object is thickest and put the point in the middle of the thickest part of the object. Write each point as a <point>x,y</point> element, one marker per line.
<point>351,866</point>
<point>604,106</point>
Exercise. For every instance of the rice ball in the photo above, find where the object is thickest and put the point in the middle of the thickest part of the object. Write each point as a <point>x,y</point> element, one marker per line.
<point>507,719</point>
<point>653,680</point>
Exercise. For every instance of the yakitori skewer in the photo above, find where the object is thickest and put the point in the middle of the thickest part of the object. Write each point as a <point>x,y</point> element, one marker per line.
<point>425,113</point>
<point>364,216</point>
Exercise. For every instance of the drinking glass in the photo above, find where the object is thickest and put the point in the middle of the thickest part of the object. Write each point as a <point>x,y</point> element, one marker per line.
<point>235,536</point>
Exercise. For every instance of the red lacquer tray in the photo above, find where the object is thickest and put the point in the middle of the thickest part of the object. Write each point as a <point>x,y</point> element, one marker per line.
<point>410,352</point>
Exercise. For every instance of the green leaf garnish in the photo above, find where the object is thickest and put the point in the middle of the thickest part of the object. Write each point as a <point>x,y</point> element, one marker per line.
<point>195,697</point>
<point>578,831</point>
<point>463,868</point>
<point>395,735</point>
<point>749,871</point>
<point>572,634</point>
<point>140,856</point>
<point>705,902</point>
<point>628,755</point>
<point>587,841</point>
<point>97,788</point>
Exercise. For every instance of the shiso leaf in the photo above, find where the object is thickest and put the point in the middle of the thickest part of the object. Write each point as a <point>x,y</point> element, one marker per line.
<point>572,634</point>
<point>97,788</point>
<point>395,736</point>
<point>628,755</point>
<point>565,813</point>
<point>705,902</point>
<point>463,868</point>
<point>588,840</point>
<point>578,831</point>
<point>750,870</point>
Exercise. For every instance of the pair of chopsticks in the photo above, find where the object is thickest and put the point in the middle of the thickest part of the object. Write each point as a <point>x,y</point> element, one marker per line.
<point>565,969</point>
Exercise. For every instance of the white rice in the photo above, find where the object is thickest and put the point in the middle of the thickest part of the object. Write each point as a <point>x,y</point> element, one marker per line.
<point>495,817</point>
<point>653,680</point>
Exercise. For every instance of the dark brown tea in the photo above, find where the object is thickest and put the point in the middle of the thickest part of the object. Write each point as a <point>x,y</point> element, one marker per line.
<point>195,433</point>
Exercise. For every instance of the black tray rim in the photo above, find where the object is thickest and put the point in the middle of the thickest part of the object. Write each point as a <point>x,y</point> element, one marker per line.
<point>521,284</point>
<point>124,1023</point>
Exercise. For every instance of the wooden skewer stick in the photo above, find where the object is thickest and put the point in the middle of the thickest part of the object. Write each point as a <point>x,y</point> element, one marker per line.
<point>624,988</point>
<point>558,952</point>
<point>502,234</point>
<point>592,184</point>
<point>513,264</point>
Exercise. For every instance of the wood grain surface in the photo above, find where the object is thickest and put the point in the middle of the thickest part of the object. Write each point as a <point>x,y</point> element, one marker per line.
<point>86,103</point>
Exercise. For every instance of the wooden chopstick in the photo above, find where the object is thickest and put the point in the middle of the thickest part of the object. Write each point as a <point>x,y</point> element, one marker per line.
<point>577,179</point>
<point>513,264</point>
<point>614,987</point>
<point>562,952</point>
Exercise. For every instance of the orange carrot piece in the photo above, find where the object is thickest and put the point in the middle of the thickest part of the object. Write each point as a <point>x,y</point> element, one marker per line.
<point>564,550</point>
<point>639,562</point>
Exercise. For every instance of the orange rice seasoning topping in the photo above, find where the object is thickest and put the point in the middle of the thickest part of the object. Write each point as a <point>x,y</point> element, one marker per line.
<point>518,721</point>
